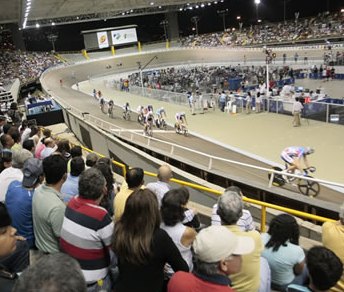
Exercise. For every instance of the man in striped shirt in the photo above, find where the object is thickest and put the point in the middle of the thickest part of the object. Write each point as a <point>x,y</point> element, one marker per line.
<point>87,229</point>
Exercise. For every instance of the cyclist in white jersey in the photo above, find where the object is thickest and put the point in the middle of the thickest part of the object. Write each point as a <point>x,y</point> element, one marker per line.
<point>294,156</point>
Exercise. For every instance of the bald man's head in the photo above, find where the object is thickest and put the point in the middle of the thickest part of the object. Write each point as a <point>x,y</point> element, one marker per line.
<point>164,173</point>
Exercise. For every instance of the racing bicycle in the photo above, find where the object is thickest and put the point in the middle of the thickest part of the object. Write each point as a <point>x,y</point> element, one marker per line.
<point>306,187</point>
<point>181,129</point>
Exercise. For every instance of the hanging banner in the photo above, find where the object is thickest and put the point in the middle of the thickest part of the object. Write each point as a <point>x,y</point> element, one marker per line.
<point>103,41</point>
<point>124,36</point>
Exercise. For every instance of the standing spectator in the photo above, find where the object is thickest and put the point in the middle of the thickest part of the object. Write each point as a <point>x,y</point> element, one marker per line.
<point>230,208</point>
<point>258,102</point>
<point>15,134</point>
<point>57,272</point>
<point>222,101</point>
<point>19,199</point>
<point>296,57</point>
<point>283,253</point>
<point>47,206</point>
<point>284,58</point>
<point>324,270</point>
<point>162,186</point>
<point>87,230</point>
<point>5,159</point>
<point>333,238</point>
<point>3,121</point>
<point>134,180</point>
<point>14,114</point>
<point>13,172</point>
<point>142,247</point>
<point>6,141</point>
<point>75,151</point>
<point>70,187</point>
<point>217,255</point>
<point>297,109</point>
<point>248,101</point>
<point>29,145</point>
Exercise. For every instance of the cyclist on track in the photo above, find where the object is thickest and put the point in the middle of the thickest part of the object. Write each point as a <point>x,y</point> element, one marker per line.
<point>181,120</point>
<point>126,107</point>
<point>141,114</point>
<point>110,109</point>
<point>294,155</point>
<point>148,121</point>
<point>102,103</point>
<point>160,114</point>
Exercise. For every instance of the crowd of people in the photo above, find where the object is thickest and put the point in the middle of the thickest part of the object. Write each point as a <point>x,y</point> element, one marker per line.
<point>324,25</point>
<point>71,215</point>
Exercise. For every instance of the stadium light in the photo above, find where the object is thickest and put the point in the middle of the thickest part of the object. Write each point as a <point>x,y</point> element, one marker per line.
<point>238,17</point>
<point>342,10</point>
<point>37,25</point>
<point>257,2</point>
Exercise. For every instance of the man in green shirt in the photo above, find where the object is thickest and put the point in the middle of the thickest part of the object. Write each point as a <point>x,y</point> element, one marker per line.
<point>47,205</point>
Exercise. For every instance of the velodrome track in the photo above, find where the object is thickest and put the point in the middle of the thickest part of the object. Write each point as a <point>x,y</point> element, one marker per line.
<point>126,63</point>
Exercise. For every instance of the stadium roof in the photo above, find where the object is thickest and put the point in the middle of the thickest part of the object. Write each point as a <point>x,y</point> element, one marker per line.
<point>47,12</point>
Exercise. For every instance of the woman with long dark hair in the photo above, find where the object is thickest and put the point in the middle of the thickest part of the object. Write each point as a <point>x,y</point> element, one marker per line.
<point>142,247</point>
<point>283,253</point>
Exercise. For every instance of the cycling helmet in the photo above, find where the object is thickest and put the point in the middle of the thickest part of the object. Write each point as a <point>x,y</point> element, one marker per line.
<point>309,150</point>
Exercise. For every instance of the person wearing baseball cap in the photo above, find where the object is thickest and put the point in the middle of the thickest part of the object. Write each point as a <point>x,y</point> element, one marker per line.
<point>217,254</point>
<point>19,198</point>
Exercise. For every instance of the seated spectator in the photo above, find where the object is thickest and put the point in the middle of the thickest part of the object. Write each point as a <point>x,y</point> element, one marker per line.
<point>190,215</point>
<point>161,187</point>
<point>50,148</point>
<point>245,222</point>
<point>70,187</point>
<point>91,160</point>
<point>230,208</point>
<point>332,238</point>
<point>5,159</point>
<point>19,199</point>
<point>6,141</point>
<point>217,255</point>
<point>104,165</point>
<point>29,145</point>
<point>15,134</point>
<point>324,270</point>
<point>134,180</point>
<point>172,213</point>
<point>8,240</point>
<point>47,206</point>
<point>57,272</point>
<point>87,230</point>
<point>283,253</point>
<point>142,247</point>
<point>40,145</point>
<point>13,172</point>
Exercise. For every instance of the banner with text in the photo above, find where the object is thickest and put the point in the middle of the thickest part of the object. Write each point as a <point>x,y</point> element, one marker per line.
<point>124,36</point>
<point>103,41</point>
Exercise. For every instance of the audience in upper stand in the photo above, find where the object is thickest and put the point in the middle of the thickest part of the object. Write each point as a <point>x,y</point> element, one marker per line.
<point>14,172</point>
<point>134,181</point>
<point>56,272</point>
<point>172,213</point>
<point>217,255</point>
<point>48,208</point>
<point>245,222</point>
<point>324,25</point>
<point>283,253</point>
<point>161,186</point>
<point>87,230</point>
<point>19,199</point>
<point>142,247</point>
<point>324,270</point>
<point>249,279</point>
<point>333,238</point>
<point>70,187</point>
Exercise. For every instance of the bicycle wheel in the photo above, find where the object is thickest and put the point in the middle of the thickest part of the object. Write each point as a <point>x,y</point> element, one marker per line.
<point>308,188</point>
<point>278,178</point>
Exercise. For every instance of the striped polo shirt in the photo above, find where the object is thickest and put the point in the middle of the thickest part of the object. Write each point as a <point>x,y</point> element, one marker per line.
<point>86,236</point>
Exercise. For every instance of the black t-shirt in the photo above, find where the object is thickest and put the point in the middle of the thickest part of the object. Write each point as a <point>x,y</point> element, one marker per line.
<point>150,277</point>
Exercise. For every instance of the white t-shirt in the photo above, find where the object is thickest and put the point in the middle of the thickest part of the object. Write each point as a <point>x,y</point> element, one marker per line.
<point>7,176</point>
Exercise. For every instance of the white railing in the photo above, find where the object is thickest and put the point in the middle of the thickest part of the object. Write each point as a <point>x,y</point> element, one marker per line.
<point>147,141</point>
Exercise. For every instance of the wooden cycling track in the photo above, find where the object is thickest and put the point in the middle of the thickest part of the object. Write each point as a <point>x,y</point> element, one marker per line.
<point>84,102</point>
